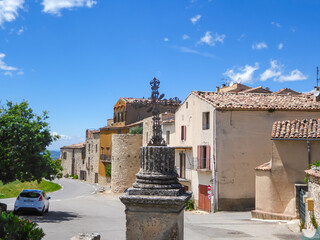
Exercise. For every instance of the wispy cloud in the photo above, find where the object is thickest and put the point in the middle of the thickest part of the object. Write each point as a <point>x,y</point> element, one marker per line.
<point>212,40</point>
<point>185,37</point>
<point>20,31</point>
<point>4,66</point>
<point>242,74</point>
<point>9,10</point>
<point>274,71</point>
<point>189,50</point>
<point>295,75</point>
<point>55,6</point>
<point>276,24</point>
<point>280,46</point>
<point>165,39</point>
<point>260,45</point>
<point>62,136</point>
<point>195,19</point>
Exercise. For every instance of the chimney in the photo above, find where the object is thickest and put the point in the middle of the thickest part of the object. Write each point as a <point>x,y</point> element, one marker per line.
<point>316,94</point>
<point>217,89</point>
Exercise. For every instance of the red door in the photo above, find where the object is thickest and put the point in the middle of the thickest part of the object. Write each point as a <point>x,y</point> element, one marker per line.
<point>203,198</point>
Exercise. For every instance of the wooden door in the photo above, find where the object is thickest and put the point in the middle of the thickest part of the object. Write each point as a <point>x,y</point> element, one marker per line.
<point>203,202</point>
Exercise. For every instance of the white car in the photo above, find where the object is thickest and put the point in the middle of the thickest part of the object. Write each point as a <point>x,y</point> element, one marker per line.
<point>32,200</point>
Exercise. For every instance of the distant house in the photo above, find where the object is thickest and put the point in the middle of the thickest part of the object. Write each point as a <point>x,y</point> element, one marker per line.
<point>220,137</point>
<point>295,145</point>
<point>90,170</point>
<point>73,156</point>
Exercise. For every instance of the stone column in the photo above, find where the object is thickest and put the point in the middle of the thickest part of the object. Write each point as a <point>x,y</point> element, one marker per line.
<point>155,204</point>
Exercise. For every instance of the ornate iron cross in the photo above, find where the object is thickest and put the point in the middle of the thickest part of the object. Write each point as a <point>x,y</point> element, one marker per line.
<point>156,139</point>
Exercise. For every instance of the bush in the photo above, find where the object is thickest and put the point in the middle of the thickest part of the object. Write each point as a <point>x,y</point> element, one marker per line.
<point>67,175</point>
<point>11,227</point>
<point>75,176</point>
<point>136,130</point>
<point>189,205</point>
<point>108,170</point>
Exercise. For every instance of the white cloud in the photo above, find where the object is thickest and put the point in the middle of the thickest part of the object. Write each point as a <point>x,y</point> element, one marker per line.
<point>212,40</point>
<point>195,19</point>
<point>55,6</point>
<point>20,31</point>
<point>62,137</point>
<point>276,24</point>
<point>9,10</point>
<point>274,71</point>
<point>185,36</point>
<point>295,75</point>
<point>243,74</point>
<point>166,39</point>
<point>4,66</point>
<point>189,50</point>
<point>20,72</point>
<point>280,46</point>
<point>8,74</point>
<point>259,46</point>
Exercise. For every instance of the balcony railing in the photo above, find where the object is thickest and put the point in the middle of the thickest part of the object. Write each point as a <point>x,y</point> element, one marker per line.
<point>105,158</point>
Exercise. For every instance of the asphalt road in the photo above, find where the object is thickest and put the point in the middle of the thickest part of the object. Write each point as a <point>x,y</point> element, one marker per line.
<point>78,207</point>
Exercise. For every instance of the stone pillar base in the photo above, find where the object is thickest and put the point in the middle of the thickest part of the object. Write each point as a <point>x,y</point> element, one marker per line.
<point>154,222</point>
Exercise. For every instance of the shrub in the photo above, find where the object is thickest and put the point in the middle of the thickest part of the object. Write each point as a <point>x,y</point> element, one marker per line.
<point>136,130</point>
<point>67,175</point>
<point>314,221</point>
<point>108,170</point>
<point>75,176</point>
<point>301,225</point>
<point>316,164</point>
<point>11,227</point>
<point>189,205</point>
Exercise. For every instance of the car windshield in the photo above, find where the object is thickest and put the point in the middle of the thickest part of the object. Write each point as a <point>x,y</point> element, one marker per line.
<point>29,195</point>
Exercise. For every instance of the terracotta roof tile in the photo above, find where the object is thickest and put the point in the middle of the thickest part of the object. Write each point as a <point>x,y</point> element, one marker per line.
<point>264,167</point>
<point>148,100</point>
<point>258,101</point>
<point>296,129</point>
<point>257,90</point>
<point>78,145</point>
<point>287,91</point>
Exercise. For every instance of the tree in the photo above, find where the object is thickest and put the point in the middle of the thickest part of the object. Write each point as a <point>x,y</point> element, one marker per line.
<point>24,137</point>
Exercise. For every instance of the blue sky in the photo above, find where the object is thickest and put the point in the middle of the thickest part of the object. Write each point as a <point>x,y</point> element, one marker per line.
<point>76,58</point>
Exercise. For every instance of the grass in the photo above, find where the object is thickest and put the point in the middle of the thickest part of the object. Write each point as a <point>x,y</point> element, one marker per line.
<point>13,189</point>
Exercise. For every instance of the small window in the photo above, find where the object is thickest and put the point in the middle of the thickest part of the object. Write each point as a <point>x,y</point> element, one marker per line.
<point>89,147</point>
<point>102,150</point>
<point>205,120</point>
<point>183,133</point>
<point>186,105</point>
<point>203,157</point>
<point>96,148</point>
<point>64,155</point>
<point>168,137</point>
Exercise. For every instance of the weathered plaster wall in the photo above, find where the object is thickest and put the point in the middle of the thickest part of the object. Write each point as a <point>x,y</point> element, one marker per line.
<point>243,143</point>
<point>66,163</point>
<point>125,160</point>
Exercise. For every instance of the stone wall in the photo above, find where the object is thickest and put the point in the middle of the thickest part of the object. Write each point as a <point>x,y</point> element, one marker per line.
<point>314,193</point>
<point>125,160</point>
<point>92,156</point>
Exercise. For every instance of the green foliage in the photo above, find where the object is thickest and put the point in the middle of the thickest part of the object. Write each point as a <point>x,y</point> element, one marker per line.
<point>75,176</point>
<point>13,228</point>
<point>136,130</point>
<point>189,205</point>
<point>313,221</point>
<point>24,137</point>
<point>67,175</point>
<point>108,170</point>
<point>13,189</point>
<point>301,225</point>
<point>316,164</point>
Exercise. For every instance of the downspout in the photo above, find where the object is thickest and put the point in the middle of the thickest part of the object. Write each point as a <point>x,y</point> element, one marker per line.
<point>215,190</point>
<point>309,152</point>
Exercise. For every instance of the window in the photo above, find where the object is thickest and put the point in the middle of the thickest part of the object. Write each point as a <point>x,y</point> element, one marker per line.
<point>102,150</point>
<point>186,105</point>
<point>108,154</point>
<point>89,147</point>
<point>168,137</point>
<point>205,120</point>
<point>96,147</point>
<point>182,165</point>
<point>183,133</point>
<point>203,157</point>
<point>64,155</point>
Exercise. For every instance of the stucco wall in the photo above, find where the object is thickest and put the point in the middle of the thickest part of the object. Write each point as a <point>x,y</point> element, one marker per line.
<point>66,163</point>
<point>243,143</point>
<point>125,160</point>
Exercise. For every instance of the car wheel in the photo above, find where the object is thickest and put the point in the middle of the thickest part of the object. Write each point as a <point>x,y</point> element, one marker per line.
<point>41,213</point>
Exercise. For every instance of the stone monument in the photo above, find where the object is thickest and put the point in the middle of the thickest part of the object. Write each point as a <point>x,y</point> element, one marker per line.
<point>156,201</point>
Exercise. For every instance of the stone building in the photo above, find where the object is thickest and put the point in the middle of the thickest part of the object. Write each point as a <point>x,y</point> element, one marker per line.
<point>313,199</point>
<point>73,157</point>
<point>91,166</point>
<point>220,137</point>
<point>295,145</point>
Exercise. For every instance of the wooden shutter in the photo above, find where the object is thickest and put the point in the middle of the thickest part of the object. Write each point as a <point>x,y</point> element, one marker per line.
<point>208,158</point>
<point>185,132</point>
<point>182,131</point>
<point>199,157</point>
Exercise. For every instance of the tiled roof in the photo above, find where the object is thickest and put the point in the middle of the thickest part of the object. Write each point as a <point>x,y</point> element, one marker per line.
<point>78,145</point>
<point>257,90</point>
<point>264,167</point>
<point>287,91</point>
<point>148,100</point>
<point>258,101</point>
<point>301,129</point>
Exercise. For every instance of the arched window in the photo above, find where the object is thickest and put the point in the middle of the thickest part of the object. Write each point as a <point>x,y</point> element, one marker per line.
<point>118,117</point>
<point>122,116</point>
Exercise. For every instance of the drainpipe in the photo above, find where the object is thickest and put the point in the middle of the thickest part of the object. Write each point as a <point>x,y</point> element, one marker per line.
<point>309,152</point>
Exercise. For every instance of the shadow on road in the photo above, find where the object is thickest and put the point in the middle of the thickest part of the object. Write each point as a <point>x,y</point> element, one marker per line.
<point>51,217</point>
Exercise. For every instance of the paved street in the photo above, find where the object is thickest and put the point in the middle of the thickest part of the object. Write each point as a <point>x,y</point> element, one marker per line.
<point>79,207</point>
